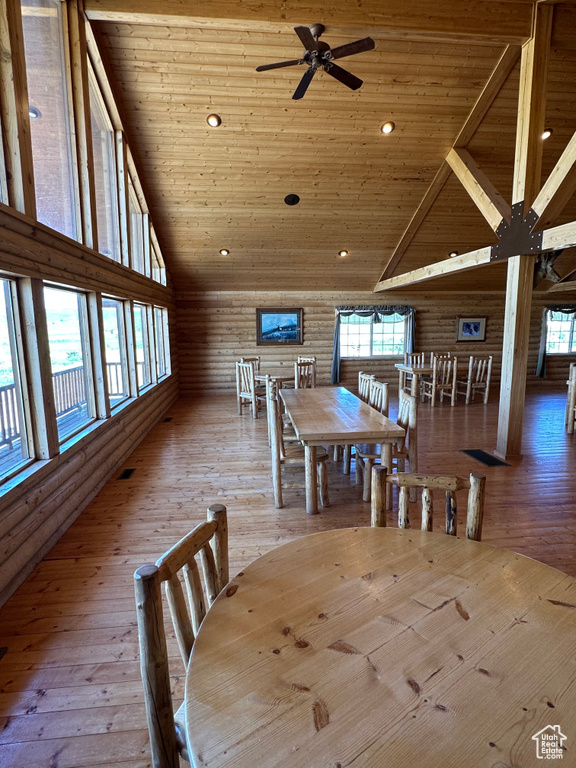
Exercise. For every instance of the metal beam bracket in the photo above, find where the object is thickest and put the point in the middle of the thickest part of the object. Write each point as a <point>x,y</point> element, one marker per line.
<point>517,238</point>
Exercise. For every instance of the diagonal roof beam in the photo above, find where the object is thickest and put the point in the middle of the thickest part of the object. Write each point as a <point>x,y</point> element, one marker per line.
<point>486,197</point>
<point>483,103</point>
<point>558,188</point>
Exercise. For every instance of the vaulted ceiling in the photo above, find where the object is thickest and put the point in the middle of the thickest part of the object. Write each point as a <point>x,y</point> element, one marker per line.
<point>213,188</point>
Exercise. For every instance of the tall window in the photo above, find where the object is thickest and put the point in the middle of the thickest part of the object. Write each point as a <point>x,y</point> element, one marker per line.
<point>50,115</point>
<point>105,180</point>
<point>158,269</point>
<point>142,342</point>
<point>161,339</point>
<point>561,338</point>
<point>136,231</point>
<point>364,337</point>
<point>68,339</point>
<point>116,351</point>
<point>14,448</point>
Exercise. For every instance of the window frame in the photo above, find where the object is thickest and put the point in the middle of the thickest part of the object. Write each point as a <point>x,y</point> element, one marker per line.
<point>123,345</point>
<point>147,346</point>
<point>161,334</point>
<point>571,320</point>
<point>371,356</point>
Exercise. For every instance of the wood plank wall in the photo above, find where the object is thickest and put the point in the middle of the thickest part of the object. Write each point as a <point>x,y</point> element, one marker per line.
<point>38,506</point>
<point>215,328</point>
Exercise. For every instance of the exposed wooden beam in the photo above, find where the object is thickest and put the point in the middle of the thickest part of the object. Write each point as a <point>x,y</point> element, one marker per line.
<point>489,20</point>
<point>460,263</point>
<point>562,236</point>
<point>484,194</point>
<point>493,85</point>
<point>558,188</point>
<point>520,277</point>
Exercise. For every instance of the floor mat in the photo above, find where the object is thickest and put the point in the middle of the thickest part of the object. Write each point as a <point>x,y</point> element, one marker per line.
<point>485,458</point>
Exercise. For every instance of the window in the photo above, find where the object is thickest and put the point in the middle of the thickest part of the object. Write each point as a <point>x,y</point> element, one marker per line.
<point>50,115</point>
<point>105,180</point>
<point>161,338</point>
<point>68,340</point>
<point>14,447</point>
<point>136,231</point>
<point>158,270</point>
<point>364,337</point>
<point>142,343</point>
<point>115,350</point>
<point>561,338</point>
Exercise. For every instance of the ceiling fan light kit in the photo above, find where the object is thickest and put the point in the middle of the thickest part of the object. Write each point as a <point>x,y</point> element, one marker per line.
<point>318,55</point>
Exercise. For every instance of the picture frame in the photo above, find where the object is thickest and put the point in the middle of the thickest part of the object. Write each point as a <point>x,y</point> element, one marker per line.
<point>279,326</point>
<point>471,329</point>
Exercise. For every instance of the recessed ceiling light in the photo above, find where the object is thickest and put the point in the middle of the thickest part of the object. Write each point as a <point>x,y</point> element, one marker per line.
<point>388,127</point>
<point>291,199</point>
<point>547,132</point>
<point>452,254</point>
<point>224,251</point>
<point>34,112</point>
<point>214,120</point>
<point>342,253</point>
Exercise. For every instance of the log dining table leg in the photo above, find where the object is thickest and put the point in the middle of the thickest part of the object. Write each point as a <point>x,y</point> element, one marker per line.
<point>311,479</point>
<point>386,461</point>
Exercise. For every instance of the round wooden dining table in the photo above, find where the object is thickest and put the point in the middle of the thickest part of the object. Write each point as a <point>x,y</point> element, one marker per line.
<point>386,648</point>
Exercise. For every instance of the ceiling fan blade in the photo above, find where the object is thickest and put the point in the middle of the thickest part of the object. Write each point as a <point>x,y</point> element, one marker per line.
<point>344,76</point>
<point>358,46</point>
<point>306,38</point>
<point>304,83</point>
<point>264,67</point>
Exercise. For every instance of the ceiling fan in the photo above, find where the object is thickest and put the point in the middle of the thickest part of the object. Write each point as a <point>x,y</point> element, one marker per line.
<point>319,55</point>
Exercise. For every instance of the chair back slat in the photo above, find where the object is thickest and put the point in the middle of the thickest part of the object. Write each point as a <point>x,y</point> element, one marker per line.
<point>379,397</point>
<point>210,575</point>
<point>180,618</point>
<point>364,382</point>
<point>181,553</point>
<point>450,485</point>
<point>304,375</point>
<point>407,419</point>
<point>196,596</point>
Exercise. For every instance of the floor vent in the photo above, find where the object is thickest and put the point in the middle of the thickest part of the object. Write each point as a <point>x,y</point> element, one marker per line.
<point>3,652</point>
<point>126,474</point>
<point>168,419</point>
<point>485,458</point>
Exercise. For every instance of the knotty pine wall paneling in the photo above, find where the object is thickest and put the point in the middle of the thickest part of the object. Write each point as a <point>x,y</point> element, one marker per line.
<point>214,329</point>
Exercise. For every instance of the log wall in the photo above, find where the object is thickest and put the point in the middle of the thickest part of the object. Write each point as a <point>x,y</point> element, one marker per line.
<point>215,328</point>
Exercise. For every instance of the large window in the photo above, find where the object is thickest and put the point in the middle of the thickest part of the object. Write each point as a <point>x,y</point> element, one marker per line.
<point>136,231</point>
<point>105,179</point>
<point>50,115</point>
<point>115,350</point>
<point>561,338</point>
<point>14,447</point>
<point>142,343</point>
<point>364,337</point>
<point>68,338</point>
<point>161,339</point>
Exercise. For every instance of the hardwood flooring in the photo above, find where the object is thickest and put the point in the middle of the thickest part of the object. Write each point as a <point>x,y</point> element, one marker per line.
<point>70,692</point>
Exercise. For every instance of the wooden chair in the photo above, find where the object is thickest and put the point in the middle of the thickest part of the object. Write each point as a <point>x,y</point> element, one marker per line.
<point>290,455</point>
<point>405,379</point>
<point>477,380</point>
<point>367,454</point>
<point>450,485</point>
<point>364,382</point>
<point>247,393</point>
<point>305,375</point>
<point>254,360</point>
<point>443,379</point>
<point>210,539</point>
<point>304,359</point>
<point>571,400</point>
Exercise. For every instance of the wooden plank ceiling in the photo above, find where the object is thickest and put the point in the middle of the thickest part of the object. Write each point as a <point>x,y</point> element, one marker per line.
<point>225,187</point>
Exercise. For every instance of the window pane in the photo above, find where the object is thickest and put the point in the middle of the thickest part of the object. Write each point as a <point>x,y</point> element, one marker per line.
<point>362,337</point>
<point>142,345</point>
<point>161,337</point>
<point>13,439</point>
<point>560,338</point>
<point>66,318</point>
<point>50,123</point>
<point>104,177</point>
<point>158,270</point>
<point>115,348</point>
<point>136,232</point>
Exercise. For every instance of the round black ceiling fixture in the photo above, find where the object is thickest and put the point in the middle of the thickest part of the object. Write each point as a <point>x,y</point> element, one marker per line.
<point>291,199</point>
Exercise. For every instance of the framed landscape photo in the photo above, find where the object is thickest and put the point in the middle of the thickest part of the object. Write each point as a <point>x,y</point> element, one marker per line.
<point>471,329</point>
<point>279,326</point>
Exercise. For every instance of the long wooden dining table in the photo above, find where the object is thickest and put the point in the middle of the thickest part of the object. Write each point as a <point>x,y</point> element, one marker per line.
<point>380,647</point>
<point>335,416</point>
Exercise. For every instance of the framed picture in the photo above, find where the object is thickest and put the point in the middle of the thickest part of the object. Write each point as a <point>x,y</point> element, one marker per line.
<point>471,329</point>
<point>279,326</point>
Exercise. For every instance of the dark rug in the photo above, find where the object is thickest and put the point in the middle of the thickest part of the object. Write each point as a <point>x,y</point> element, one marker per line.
<point>486,458</point>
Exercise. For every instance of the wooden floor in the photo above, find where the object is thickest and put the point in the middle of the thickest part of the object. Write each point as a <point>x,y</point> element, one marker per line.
<point>70,692</point>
